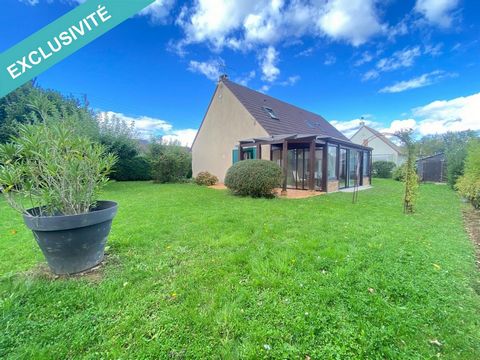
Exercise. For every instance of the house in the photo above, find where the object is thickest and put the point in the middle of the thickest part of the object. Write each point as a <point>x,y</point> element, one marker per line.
<point>383,148</point>
<point>241,123</point>
<point>432,168</point>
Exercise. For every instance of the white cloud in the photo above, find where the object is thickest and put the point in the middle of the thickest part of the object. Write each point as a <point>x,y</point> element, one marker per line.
<point>158,11</point>
<point>330,59</point>
<point>365,58</point>
<point>350,127</point>
<point>244,25</point>
<point>438,117</point>
<point>398,125</point>
<point>269,60</point>
<point>244,80</point>
<point>211,69</point>
<point>354,21</point>
<point>399,59</point>
<point>438,12</point>
<point>418,82</point>
<point>292,80</point>
<point>184,137</point>
<point>458,114</point>
<point>148,127</point>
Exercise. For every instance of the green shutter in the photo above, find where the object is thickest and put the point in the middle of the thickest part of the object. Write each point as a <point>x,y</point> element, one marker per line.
<point>235,156</point>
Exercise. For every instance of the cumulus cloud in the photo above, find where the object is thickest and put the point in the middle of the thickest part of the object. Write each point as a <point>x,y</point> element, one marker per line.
<point>269,60</point>
<point>184,137</point>
<point>438,12</point>
<point>354,21</point>
<point>418,82</point>
<point>438,117</point>
<point>148,127</point>
<point>211,69</point>
<point>457,114</point>
<point>350,127</point>
<point>399,125</point>
<point>243,24</point>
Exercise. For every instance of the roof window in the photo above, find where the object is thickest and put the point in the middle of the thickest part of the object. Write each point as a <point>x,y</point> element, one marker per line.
<point>270,112</point>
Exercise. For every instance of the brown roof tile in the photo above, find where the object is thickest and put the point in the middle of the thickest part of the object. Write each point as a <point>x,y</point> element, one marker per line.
<point>291,119</point>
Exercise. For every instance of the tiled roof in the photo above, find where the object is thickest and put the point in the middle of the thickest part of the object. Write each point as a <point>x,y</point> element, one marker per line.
<point>290,119</point>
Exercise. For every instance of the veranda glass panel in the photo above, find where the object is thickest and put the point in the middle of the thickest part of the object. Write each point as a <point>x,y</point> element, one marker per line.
<point>343,168</point>
<point>277,157</point>
<point>318,168</point>
<point>292,169</point>
<point>354,167</point>
<point>332,163</point>
<point>365,163</point>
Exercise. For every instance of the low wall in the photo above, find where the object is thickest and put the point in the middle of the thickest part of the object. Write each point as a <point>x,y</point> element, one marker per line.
<point>332,186</point>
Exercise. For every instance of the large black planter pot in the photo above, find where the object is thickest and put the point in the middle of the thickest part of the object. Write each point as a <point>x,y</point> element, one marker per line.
<point>73,243</point>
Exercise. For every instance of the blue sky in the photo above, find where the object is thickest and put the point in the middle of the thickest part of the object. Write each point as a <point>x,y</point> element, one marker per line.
<point>396,63</point>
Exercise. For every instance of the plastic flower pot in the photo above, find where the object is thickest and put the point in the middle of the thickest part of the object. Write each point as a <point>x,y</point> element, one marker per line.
<point>73,243</point>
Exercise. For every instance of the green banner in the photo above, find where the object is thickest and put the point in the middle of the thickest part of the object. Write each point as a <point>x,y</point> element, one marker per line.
<point>61,38</point>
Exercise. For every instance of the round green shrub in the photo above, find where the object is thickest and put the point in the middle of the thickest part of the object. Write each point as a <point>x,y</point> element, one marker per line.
<point>204,178</point>
<point>383,169</point>
<point>398,173</point>
<point>255,178</point>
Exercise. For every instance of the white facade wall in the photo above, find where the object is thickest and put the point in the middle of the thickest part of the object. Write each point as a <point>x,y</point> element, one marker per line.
<point>381,150</point>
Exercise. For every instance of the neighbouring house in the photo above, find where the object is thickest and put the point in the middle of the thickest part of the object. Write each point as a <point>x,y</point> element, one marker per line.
<point>383,148</point>
<point>432,168</point>
<point>241,123</point>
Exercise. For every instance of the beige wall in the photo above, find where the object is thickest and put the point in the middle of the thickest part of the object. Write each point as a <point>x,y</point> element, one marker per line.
<point>225,124</point>
<point>381,151</point>
<point>366,181</point>
<point>332,186</point>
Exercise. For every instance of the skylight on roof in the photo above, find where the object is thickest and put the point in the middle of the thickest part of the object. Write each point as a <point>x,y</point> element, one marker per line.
<point>270,112</point>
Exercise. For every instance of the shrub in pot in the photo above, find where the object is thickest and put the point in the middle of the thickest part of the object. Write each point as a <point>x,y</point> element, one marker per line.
<point>255,178</point>
<point>53,177</point>
<point>204,178</point>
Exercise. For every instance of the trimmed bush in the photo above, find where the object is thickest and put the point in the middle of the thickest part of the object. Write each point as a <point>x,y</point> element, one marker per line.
<point>255,178</point>
<point>398,173</point>
<point>383,169</point>
<point>469,184</point>
<point>204,178</point>
<point>135,169</point>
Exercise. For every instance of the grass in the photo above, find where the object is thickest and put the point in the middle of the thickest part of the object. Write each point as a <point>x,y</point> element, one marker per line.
<point>197,273</point>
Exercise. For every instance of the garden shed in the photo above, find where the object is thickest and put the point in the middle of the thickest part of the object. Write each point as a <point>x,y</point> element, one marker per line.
<point>432,168</point>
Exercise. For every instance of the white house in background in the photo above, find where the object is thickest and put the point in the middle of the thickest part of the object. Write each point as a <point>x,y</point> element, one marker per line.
<point>383,148</point>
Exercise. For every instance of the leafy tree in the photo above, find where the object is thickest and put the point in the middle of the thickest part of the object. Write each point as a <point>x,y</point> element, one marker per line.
<point>120,138</point>
<point>454,145</point>
<point>31,103</point>
<point>410,175</point>
<point>469,184</point>
<point>170,162</point>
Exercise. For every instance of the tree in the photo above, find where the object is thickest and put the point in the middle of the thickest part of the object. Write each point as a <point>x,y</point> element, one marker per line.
<point>120,138</point>
<point>454,145</point>
<point>31,103</point>
<point>410,176</point>
<point>170,162</point>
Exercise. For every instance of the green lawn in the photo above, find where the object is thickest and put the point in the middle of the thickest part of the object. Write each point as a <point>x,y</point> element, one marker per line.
<point>197,273</point>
